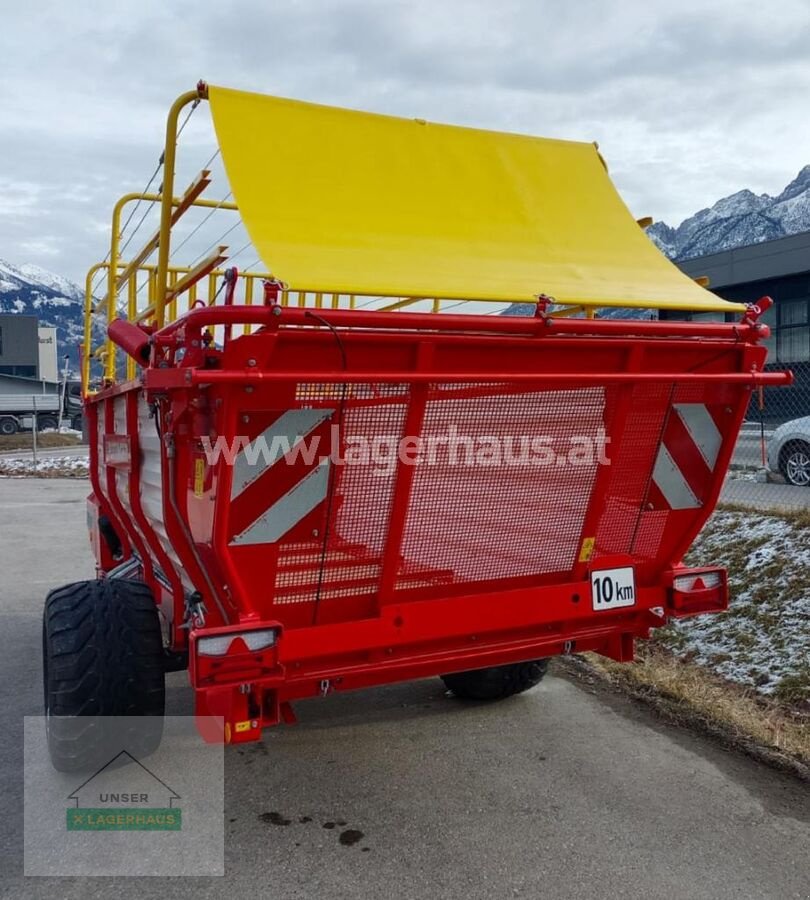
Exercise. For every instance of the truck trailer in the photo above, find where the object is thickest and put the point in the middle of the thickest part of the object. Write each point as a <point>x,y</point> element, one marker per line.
<point>18,412</point>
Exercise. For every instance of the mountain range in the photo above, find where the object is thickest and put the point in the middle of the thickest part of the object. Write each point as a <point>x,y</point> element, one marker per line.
<point>740,219</point>
<point>735,221</point>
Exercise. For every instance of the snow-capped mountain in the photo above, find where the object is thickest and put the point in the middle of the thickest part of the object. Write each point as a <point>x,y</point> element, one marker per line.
<point>56,282</point>
<point>57,302</point>
<point>735,221</point>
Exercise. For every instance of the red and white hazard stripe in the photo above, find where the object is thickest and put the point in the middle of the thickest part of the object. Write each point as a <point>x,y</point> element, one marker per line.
<point>684,468</point>
<point>268,498</point>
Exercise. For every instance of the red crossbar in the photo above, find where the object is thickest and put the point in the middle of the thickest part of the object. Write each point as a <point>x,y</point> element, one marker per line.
<point>278,316</point>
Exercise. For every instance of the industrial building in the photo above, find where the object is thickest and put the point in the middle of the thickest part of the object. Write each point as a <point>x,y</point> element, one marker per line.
<point>779,269</point>
<point>27,349</point>
<point>28,361</point>
<point>19,346</point>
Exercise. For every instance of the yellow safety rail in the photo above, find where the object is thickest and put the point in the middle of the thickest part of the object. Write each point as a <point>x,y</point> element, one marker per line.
<point>140,286</point>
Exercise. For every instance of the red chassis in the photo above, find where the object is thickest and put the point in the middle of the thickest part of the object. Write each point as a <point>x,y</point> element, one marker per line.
<point>295,574</point>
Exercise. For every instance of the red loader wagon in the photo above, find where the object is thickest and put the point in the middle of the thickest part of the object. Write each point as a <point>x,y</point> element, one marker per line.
<point>310,478</point>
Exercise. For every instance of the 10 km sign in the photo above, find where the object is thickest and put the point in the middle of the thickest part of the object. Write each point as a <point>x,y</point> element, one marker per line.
<point>613,588</point>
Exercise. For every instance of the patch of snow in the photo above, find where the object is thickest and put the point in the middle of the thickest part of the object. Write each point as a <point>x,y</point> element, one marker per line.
<point>743,475</point>
<point>56,301</point>
<point>68,466</point>
<point>764,637</point>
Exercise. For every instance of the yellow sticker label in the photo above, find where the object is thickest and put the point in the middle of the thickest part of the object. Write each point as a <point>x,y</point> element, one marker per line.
<point>587,549</point>
<point>199,477</point>
<point>242,726</point>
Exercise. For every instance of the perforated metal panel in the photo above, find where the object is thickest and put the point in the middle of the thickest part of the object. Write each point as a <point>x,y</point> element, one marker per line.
<point>508,478</point>
<point>493,510</point>
<point>359,501</point>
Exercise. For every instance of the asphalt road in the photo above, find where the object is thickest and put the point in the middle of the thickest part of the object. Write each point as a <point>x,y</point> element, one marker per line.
<point>564,792</point>
<point>763,496</point>
<point>748,450</point>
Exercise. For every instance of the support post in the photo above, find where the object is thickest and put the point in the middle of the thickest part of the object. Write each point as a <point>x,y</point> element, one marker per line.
<point>167,196</point>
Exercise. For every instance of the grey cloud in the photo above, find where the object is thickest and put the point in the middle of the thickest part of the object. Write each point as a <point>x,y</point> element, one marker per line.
<point>688,101</point>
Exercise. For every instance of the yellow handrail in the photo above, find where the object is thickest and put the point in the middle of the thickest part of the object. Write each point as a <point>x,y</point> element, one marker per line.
<point>169,154</point>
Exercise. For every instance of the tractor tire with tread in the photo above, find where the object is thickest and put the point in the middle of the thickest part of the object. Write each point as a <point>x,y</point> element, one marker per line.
<point>102,655</point>
<point>497,682</point>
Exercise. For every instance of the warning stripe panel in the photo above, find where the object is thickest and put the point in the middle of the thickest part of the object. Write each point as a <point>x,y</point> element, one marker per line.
<point>669,480</point>
<point>274,486</point>
<point>686,455</point>
<point>684,467</point>
<point>298,502</point>
<point>283,435</point>
<point>702,429</point>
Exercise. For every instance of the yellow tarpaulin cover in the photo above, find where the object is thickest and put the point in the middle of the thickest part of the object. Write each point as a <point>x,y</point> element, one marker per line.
<point>353,202</point>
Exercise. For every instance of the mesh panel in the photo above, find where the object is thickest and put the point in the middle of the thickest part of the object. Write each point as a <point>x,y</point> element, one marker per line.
<point>504,489</point>
<point>481,521</point>
<point>361,499</point>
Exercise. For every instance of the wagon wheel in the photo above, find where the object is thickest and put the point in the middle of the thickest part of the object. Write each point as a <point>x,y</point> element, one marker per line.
<point>498,682</point>
<point>103,673</point>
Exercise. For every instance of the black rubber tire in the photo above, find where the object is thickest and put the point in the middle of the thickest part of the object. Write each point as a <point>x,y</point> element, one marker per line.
<point>44,422</point>
<point>498,682</point>
<point>8,426</point>
<point>102,657</point>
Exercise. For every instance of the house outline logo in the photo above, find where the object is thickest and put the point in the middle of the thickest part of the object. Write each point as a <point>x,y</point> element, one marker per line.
<point>152,809</point>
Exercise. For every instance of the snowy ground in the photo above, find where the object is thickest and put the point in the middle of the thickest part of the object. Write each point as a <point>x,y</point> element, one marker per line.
<point>47,467</point>
<point>746,475</point>
<point>763,642</point>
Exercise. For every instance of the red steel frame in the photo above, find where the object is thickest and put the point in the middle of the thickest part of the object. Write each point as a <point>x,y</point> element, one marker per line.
<point>390,629</point>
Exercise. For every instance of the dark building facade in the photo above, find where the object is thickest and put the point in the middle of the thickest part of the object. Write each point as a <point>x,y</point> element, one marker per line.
<point>778,269</point>
<point>19,345</point>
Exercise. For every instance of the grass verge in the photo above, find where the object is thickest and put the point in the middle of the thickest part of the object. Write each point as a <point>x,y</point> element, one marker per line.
<point>743,676</point>
<point>763,642</point>
<point>25,441</point>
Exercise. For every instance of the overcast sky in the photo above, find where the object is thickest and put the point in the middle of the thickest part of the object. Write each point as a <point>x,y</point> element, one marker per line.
<point>689,101</point>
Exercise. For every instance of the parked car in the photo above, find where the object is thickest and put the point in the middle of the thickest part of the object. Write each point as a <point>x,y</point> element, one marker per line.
<point>789,451</point>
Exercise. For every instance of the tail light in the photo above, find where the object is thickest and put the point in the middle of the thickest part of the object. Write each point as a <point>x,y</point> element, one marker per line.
<point>220,644</point>
<point>694,591</point>
<point>233,654</point>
